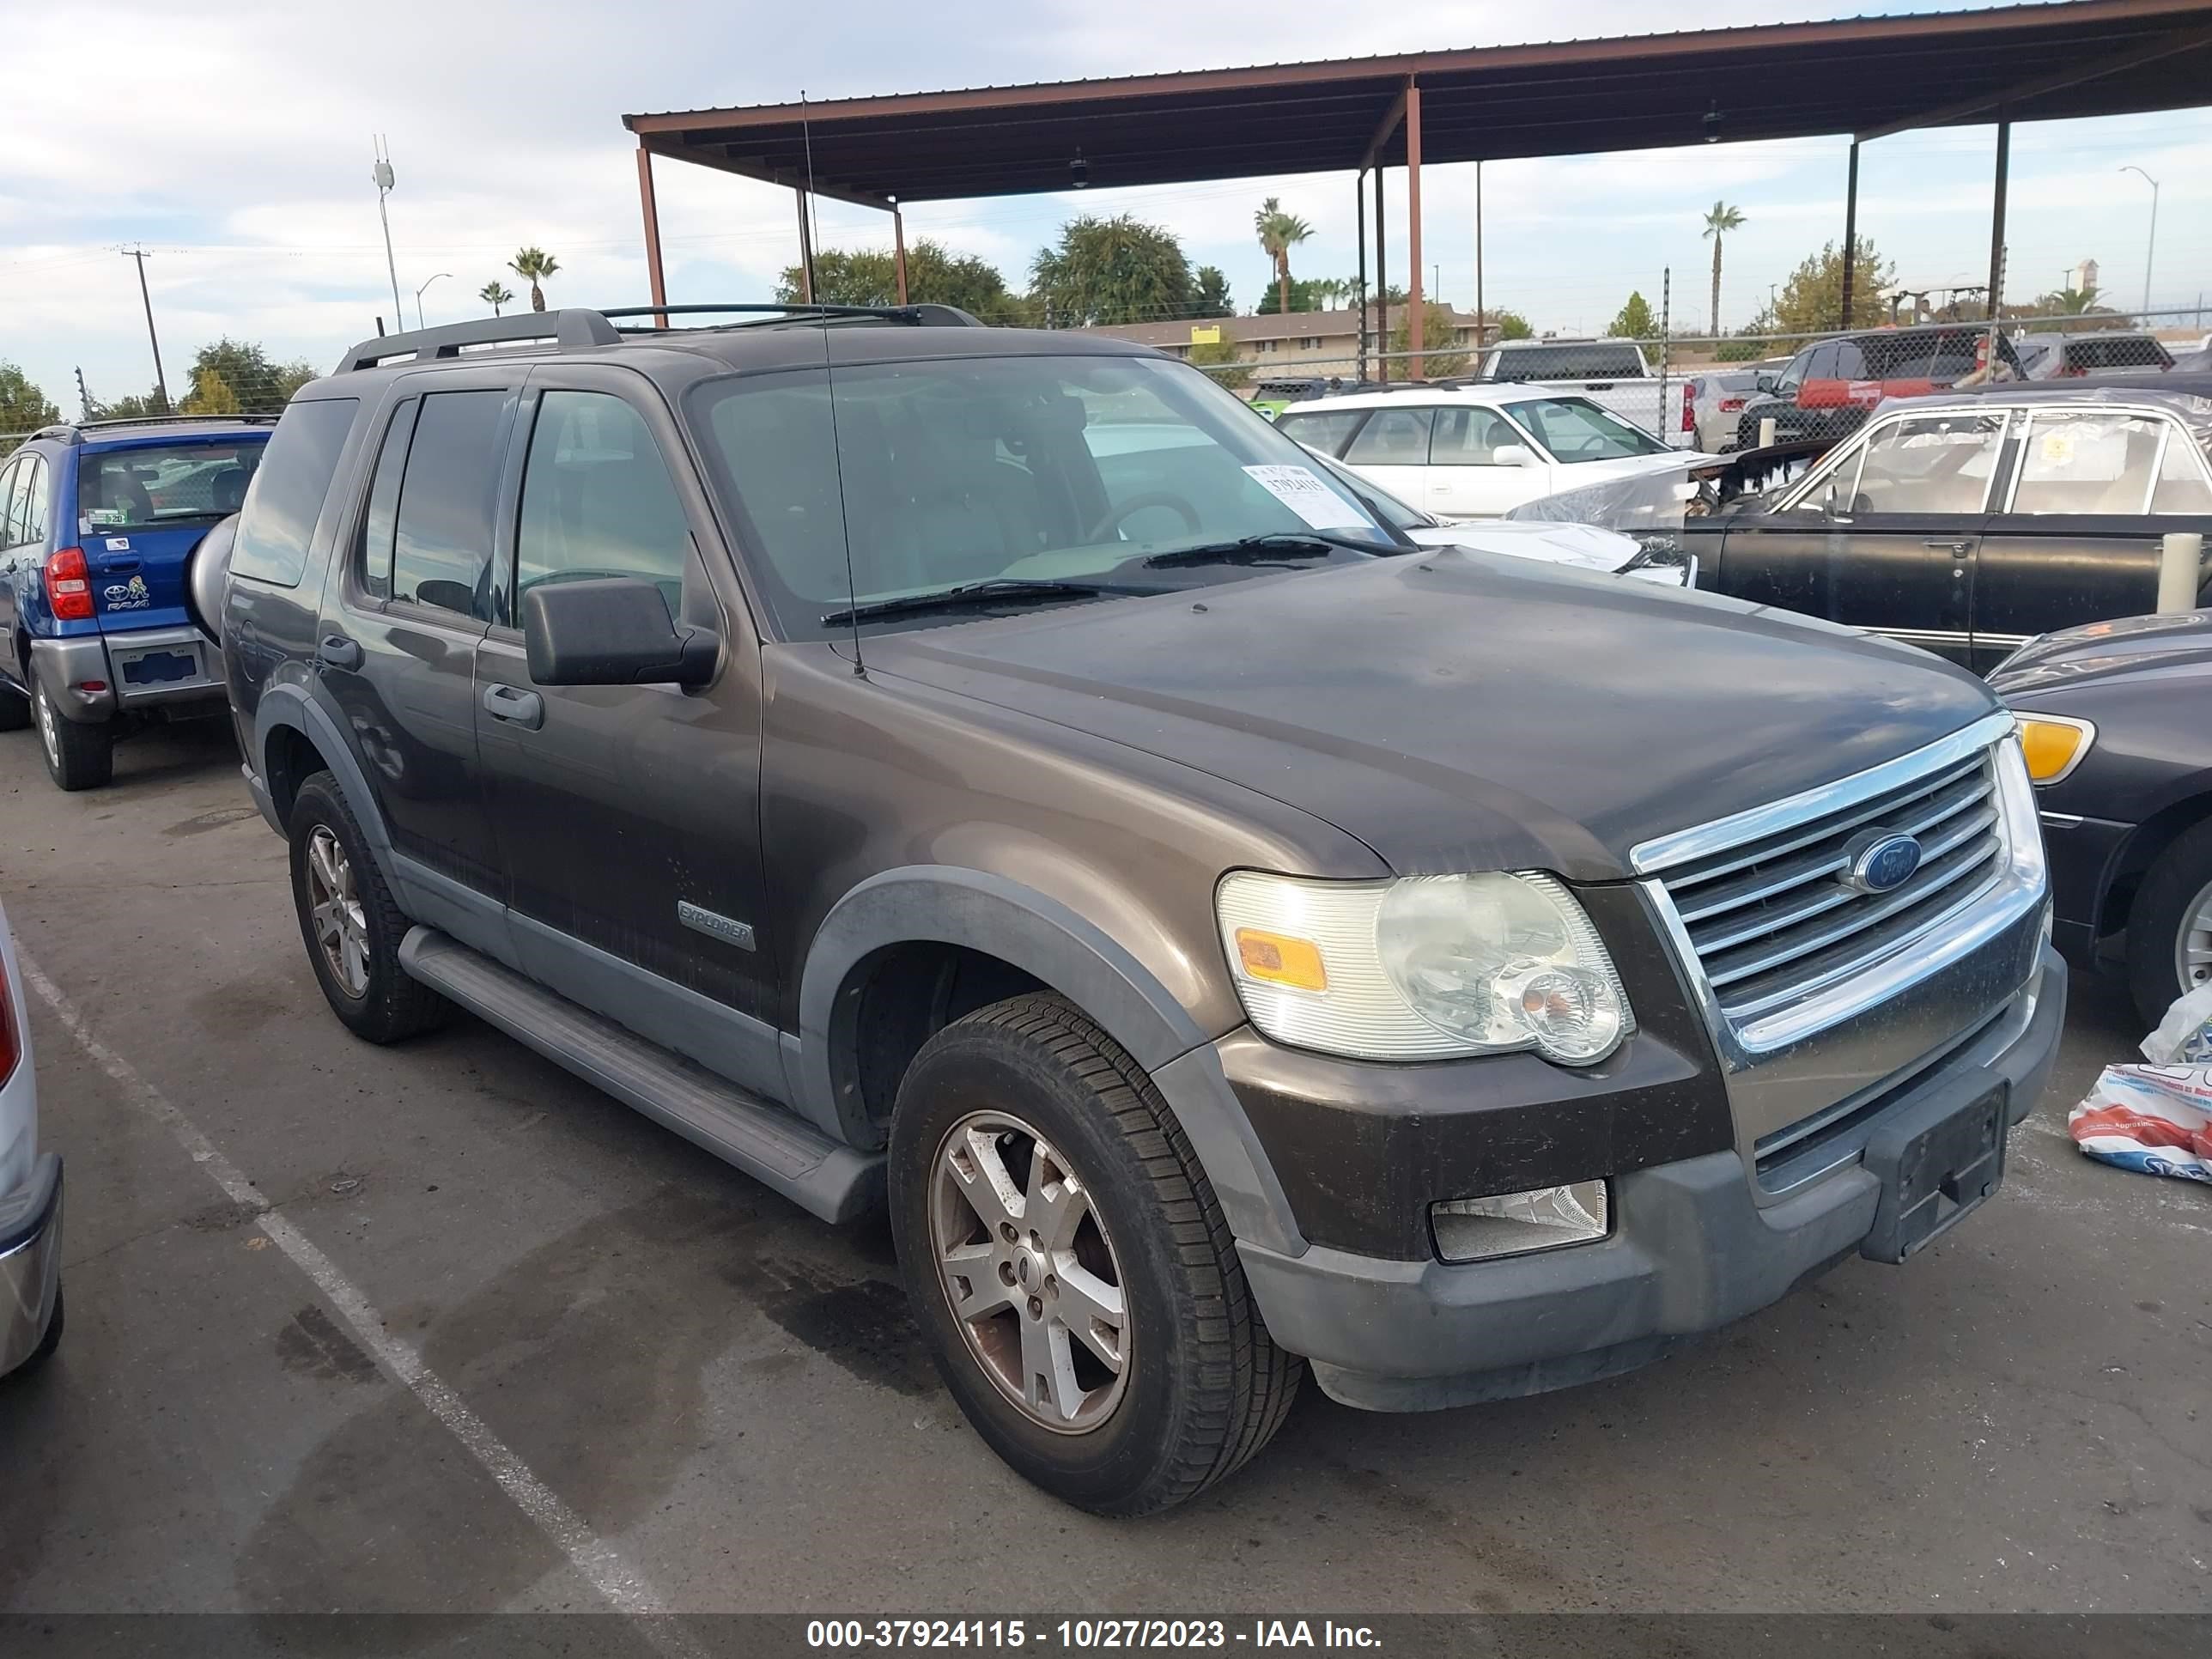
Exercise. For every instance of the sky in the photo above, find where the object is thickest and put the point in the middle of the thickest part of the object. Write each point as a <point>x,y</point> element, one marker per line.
<point>235,144</point>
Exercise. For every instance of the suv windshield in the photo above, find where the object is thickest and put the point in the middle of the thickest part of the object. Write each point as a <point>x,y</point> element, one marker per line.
<point>886,482</point>
<point>152,485</point>
<point>1576,429</point>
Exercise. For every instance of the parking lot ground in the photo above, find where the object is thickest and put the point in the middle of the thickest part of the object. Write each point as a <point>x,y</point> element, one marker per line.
<point>727,1398</point>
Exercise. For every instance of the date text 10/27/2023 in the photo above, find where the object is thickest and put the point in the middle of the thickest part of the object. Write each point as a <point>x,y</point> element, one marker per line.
<point>1085,1634</point>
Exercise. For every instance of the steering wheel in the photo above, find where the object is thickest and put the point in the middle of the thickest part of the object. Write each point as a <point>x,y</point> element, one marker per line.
<point>1174,503</point>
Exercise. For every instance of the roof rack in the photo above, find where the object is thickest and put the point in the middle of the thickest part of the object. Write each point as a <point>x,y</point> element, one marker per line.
<point>578,328</point>
<point>71,430</point>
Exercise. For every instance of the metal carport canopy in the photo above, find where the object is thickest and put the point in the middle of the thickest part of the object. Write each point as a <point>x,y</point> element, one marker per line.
<point>1862,75</point>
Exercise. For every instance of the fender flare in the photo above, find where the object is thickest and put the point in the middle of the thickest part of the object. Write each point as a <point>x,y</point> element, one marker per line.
<point>286,706</point>
<point>1045,939</point>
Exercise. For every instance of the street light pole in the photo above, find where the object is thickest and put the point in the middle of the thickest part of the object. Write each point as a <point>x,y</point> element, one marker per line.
<point>382,176</point>
<point>418,296</point>
<point>2150,254</point>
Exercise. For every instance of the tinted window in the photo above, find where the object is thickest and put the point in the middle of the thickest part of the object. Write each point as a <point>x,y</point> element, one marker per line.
<point>1794,374</point>
<point>120,491</point>
<point>597,499</point>
<point>1324,430</point>
<point>32,529</point>
<point>2087,462</point>
<point>1469,437</point>
<point>290,486</point>
<point>2181,486</point>
<point>442,538</point>
<point>377,524</point>
<point>1936,463</point>
<point>1850,361</point>
<point>1393,437</point>
<point>11,501</point>
<point>1822,366</point>
<point>1582,361</point>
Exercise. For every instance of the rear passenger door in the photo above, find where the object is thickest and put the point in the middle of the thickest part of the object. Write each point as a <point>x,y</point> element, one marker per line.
<point>19,554</point>
<point>1393,449</point>
<point>397,645</point>
<point>629,816</point>
<point>2078,536</point>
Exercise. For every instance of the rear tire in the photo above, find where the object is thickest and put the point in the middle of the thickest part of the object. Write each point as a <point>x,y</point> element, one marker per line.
<point>2171,918</point>
<point>78,756</point>
<point>350,923</point>
<point>1030,1089</point>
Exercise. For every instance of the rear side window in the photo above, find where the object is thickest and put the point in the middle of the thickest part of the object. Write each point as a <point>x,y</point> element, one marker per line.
<point>1324,430</point>
<point>597,499</point>
<point>23,502</point>
<point>1393,437</point>
<point>2181,486</point>
<point>443,532</point>
<point>289,489</point>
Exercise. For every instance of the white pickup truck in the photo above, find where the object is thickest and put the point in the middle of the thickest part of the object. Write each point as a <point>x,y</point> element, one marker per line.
<point>1613,373</point>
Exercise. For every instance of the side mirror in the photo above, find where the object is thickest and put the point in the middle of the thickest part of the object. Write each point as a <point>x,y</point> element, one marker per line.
<point>1766,383</point>
<point>1511,455</point>
<point>613,631</point>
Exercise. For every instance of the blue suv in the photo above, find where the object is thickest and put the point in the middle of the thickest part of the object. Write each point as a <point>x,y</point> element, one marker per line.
<point>97,520</point>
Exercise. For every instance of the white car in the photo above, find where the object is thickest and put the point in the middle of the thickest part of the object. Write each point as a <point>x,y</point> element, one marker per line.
<point>1477,452</point>
<point>30,1190</point>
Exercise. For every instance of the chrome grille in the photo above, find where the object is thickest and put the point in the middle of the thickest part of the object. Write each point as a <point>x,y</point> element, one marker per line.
<point>1770,919</point>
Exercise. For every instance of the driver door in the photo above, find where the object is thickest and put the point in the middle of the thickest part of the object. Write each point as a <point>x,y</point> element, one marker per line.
<point>1393,449</point>
<point>1884,537</point>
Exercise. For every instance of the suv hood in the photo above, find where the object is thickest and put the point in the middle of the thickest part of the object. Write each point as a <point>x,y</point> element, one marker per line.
<point>2102,650</point>
<point>1463,711</point>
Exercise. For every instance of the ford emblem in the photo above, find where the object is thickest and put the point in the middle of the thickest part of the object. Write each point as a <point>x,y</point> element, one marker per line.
<point>1882,862</point>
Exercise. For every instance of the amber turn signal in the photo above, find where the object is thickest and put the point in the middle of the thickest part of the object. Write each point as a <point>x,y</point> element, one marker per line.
<point>1281,960</point>
<point>2053,747</point>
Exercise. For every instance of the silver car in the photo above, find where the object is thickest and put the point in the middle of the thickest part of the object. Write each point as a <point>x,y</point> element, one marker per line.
<point>30,1190</point>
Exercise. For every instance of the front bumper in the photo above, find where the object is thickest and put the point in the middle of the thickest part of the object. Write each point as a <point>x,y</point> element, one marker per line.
<point>30,1261</point>
<point>1691,1250</point>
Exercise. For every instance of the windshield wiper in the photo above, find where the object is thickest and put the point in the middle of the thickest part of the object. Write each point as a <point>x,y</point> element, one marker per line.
<point>1252,549</point>
<point>997,590</point>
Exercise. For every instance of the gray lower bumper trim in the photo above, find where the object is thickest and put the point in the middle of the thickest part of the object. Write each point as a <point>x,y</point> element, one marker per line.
<point>30,1261</point>
<point>1691,1251</point>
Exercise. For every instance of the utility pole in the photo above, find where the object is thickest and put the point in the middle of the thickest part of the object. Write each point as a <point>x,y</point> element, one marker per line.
<point>384,178</point>
<point>160,381</point>
<point>2150,254</point>
<point>83,397</point>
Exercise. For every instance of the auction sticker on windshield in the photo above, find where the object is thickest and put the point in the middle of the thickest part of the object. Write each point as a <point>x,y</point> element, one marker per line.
<point>1302,490</point>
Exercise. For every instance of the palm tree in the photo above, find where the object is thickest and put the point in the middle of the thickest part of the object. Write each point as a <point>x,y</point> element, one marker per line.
<point>532,265</point>
<point>495,293</point>
<point>1279,232</point>
<point>1721,220</point>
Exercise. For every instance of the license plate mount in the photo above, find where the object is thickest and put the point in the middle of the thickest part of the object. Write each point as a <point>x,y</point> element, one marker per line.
<point>1936,1165</point>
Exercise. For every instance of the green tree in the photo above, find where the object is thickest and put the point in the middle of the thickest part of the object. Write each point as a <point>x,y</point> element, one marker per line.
<point>254,384</point>
<point>1440,354</point>
<point>1212,298</point>
<point>497,294</point>
<point>1635,321</point>
<point>1220,351</point>
<point>1721,220</point>
<point>1510,325</point>
<point>1306,293</point>
<point>1278,232</point>
<point>210,395</point>
<point>534,265</point>
<point>2078,307</point>
<point>1111,270</point>
<point>934,275</point>
<point>23,407</point>
<point>1812,298</point>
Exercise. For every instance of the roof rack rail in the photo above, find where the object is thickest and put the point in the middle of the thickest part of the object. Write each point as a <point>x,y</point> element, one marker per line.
<point>923,314</point>
<point>572,328</point>
<point>70,429</point>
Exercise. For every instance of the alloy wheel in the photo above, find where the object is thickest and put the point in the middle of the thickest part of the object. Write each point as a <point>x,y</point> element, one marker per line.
<point>2193,944</point>
<point>341,924</point>
<point>1025,1264</point>
<point>50,733</point>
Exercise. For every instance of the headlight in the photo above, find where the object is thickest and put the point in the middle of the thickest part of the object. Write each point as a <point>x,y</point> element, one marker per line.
<point>2053,745</point>
<point>1427,967</point>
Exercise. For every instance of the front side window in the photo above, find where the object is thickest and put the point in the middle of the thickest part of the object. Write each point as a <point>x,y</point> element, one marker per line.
<point>2181,486</point>
<point>442,530</point>
<point>12,482</point>
<point>1575,429</point>
<point>279,518</point>
<point>1471,437</point>
<point>1930,464</point>
<point>1324,430</point>
<point>1393,437</point>
<point>2084,462</point>
<point>597,499</point>
<point>23,503</point>
<point>152,486</point>
<point>882,481</point>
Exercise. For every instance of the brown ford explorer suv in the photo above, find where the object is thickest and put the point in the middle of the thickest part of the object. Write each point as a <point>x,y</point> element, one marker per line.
<point>997,776</point>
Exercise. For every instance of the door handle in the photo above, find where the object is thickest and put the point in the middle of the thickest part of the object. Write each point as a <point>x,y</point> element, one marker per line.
<point>515,707</point>
<point>338,651</point>
<point>1956,550</point>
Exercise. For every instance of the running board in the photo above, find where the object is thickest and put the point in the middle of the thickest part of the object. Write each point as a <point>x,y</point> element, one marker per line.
<point>767,1143</point>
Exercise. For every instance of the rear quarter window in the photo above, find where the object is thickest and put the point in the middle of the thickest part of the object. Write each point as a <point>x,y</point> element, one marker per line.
<point>289,490</point>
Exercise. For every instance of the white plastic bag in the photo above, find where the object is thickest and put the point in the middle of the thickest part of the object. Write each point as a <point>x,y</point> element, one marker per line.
<point>2157,1119</point>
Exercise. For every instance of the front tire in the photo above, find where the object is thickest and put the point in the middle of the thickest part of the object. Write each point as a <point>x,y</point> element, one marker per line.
<point>78,756</point>
<point>1070,1267</point>
<point>37,1358</point>
<point>351,923</point>
<point>2170,926</point>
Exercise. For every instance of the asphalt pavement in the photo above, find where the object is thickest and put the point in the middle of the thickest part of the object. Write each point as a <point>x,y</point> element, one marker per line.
<point>501,1344</point>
